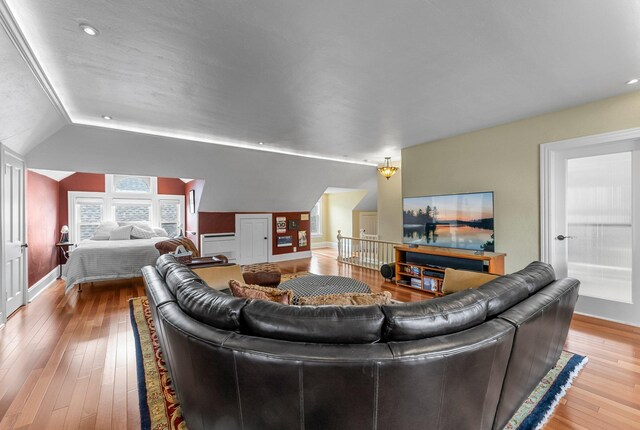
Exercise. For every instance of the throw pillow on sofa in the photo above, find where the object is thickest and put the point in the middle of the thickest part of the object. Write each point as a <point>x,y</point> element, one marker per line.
<point>460,280</point>
<point>240,289</point>
<point>347,299</point>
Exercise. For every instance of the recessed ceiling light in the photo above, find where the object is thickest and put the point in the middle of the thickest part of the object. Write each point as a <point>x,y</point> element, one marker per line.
<point>632,81</point>
<point>90,30</point>
<point>260,143</point>
<point>107,117</point>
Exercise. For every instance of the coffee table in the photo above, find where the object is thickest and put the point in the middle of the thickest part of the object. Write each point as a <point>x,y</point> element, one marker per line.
<point>320,285</point>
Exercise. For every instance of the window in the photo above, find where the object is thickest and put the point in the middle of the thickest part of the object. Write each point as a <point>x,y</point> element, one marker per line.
<point>125,210</point>
<point>132,184</point>
<point>90,212</point>
<point>170,216</point>
<point>128,198</point>
<point>316,219</point>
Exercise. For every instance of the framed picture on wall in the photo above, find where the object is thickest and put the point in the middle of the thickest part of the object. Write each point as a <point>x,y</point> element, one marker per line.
<point>302,238</point>
<point>284,241</point>
<point>293,224</point>
<point>281,224</point>
<point>192,201</point>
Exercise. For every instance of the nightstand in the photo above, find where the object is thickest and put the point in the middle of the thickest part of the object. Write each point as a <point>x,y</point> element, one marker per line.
<point>63,252</point>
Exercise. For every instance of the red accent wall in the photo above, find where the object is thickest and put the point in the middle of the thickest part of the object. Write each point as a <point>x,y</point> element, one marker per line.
<point>42,201</point>
<point>173,186</point>
<point>225,222</point>
<point>92,182</point>
<point>217,222</point>
<point>302,225</point>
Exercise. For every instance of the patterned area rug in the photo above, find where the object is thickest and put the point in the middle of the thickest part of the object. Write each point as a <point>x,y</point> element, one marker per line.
<point>160,410</point>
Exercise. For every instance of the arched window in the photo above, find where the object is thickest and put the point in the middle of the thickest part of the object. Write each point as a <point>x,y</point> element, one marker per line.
<point>131,184</point>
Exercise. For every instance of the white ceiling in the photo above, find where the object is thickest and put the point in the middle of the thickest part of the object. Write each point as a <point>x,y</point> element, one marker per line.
<point>27,116</point>
<point>56,175</point>
<point>237,180</point>
<point>358,79</point>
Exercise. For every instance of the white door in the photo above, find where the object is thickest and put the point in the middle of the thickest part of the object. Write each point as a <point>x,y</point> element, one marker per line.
<point>253,238</point>
<point>13,234</point>
<point>593,233</point>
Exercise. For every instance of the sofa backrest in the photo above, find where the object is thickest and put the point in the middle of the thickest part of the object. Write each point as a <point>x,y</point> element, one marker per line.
<point>210,306</point>
<point>542,323</point>
<point>504,292</point>
<point>164,262</point>
<point>537,275</point>
<point>318,324</point>
<point>436,317</point>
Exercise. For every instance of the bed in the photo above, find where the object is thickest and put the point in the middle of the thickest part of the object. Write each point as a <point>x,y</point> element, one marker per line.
<point>99,260</point>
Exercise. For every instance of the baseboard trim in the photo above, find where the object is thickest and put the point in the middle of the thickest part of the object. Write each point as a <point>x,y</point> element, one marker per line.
<point>324,245</point>
<point>290,256</point>
<point>43,284</point>
<point>582,314</point>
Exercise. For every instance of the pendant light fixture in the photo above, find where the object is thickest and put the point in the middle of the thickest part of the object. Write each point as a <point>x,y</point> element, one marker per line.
<point>388,170</point>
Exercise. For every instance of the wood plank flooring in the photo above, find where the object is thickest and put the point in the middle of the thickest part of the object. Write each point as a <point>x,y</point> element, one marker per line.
<point>68,360</point>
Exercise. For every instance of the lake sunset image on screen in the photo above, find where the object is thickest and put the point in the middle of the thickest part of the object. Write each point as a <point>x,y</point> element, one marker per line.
<point>453,221</point>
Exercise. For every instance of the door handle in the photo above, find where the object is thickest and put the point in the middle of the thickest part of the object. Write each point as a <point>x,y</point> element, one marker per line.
<point>24,245</point>
<point>563,237</point>
<point>265,238</point>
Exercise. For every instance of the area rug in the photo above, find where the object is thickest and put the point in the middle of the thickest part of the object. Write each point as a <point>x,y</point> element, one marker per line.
<point>160,410</point>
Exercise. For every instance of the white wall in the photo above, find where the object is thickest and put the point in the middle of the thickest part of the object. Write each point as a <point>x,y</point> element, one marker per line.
<point>237,179</point>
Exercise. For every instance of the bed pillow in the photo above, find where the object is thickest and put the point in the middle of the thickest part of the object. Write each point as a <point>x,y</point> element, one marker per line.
<point>103,232</point>
<point>141,224</point>
<point>140,233</point>
<point>121,233</point>
<point>160,232</point>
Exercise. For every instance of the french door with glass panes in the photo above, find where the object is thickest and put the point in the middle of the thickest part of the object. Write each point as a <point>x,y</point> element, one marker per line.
<point>590,222</point>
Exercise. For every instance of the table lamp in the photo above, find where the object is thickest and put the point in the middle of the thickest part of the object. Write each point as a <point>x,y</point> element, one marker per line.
<point>64,234</point>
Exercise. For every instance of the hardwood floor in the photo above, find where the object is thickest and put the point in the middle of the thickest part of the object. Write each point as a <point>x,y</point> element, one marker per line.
<point>68,361</point>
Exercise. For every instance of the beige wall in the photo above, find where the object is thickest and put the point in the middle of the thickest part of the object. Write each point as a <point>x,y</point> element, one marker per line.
<point>390,206</point>
<point>325,221</point>
<point>505,159</point>
<point>356,221</point>
<point>340,214</point>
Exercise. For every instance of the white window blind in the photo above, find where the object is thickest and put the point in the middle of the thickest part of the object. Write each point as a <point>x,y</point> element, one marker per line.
<point>89,214</point>
<point>316,219</point>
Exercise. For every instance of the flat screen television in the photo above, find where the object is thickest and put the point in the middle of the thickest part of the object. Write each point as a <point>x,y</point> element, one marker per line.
<point>462,221</point>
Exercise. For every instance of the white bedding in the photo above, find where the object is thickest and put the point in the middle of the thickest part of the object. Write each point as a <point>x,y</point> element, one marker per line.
<point>96,260</point>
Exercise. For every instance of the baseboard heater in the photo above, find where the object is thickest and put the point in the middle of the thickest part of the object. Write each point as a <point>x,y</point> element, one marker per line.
<point>219,244</point>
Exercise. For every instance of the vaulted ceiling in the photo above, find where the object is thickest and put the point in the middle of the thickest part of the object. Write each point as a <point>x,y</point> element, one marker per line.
<point>354,79</point>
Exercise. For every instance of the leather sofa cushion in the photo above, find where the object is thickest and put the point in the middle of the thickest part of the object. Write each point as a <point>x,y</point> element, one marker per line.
<point>537,275</point>
<point>210,306</point>
<point>177,275</point>
<point>240,289</point>
<point>317,324</point>
<point>164,262</point>
<point>504,292</point>
<point>436,317</point>
<point>460,280</point>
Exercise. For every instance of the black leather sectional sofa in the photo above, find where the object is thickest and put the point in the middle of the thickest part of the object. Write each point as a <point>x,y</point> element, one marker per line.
<point>464,361</point>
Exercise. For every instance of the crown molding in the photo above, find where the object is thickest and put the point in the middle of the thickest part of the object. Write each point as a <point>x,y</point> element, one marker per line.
<point>16,36</point>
